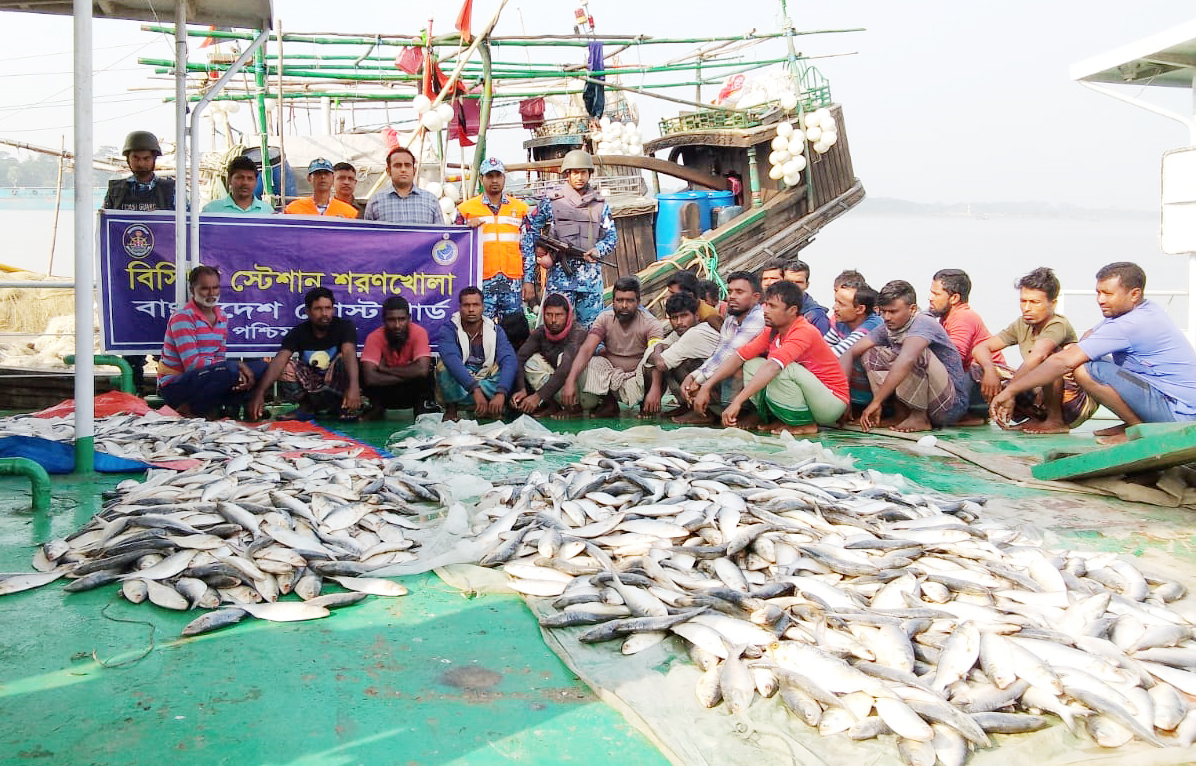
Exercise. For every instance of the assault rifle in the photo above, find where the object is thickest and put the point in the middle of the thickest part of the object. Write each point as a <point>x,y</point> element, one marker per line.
<point>565,255</point>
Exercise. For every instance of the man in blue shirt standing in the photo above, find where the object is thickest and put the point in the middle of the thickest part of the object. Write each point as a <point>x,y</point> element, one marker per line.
<point>1136,362</point>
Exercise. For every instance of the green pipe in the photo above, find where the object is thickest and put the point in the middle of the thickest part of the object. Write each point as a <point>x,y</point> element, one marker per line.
<point>126,372</point>
<point>259,76</point>
<point>39,480</point>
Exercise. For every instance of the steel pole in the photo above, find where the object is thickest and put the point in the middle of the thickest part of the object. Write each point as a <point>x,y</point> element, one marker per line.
<point>196,112</point>
<point>180,153</point>
<point>84,244</point>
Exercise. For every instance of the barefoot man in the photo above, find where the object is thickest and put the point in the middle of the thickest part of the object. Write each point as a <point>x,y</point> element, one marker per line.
<point>1057,407</point>
<point>911,359</point>
<point>545,359</point>
<point>1150,376</point>
<point>616,373</point>
<point>745,320</point>
<point>789,372</point>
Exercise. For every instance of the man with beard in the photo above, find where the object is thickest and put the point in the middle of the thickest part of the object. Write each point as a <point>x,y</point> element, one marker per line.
<point>949,292</point>
<point>1136,361</point>
<point>321,201</point>
<point>745,320</point>
<point>344,186</point>
<point>545,359</point>
<point>501,220</point>
<point>142,191</point>
<point>317,364</point>
<point>687,281</point>
<point>789,372</point>
<point>671,361</point>
<point>477,364</point>
<point>616,373</point>
<point>242,179</point>
<point>193,376</point>
<point>575,213</point>
<point>911,359</point>
<point>396,363</point>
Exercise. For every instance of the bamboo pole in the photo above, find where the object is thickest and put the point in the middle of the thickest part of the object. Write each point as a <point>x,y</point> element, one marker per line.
<point>567,41</point>
<point>479,152</point>
<point>57,205</point>
<point>282,151</point>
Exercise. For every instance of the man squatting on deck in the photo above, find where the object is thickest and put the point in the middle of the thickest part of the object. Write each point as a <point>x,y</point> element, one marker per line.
<point>317,363</point>
<point>1135,362</point>
<point>194,377</point>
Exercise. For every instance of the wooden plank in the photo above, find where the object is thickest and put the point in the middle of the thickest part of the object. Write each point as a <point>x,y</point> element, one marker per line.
<point>1148,453</point>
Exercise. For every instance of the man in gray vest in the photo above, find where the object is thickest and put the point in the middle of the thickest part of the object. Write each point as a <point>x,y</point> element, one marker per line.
<point>575,213</point>
<point>143,190</point>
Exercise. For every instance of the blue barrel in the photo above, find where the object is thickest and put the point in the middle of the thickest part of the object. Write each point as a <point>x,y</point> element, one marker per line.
<point>668,219</point>
<point>717,200</point>
<point>255,154</point>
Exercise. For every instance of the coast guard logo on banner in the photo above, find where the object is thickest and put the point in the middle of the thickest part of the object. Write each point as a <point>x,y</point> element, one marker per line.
<point>138,241</point>
<point>444,252</point>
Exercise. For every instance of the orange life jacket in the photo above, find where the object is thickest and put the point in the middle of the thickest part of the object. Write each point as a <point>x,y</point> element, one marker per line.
<point>500,235</point>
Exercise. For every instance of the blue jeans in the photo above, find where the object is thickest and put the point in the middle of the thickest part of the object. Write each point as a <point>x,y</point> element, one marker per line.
<point>207,388</point>
<point>1146,401</point>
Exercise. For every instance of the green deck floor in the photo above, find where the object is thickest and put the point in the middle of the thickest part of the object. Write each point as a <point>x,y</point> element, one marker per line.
<point>433,678</point>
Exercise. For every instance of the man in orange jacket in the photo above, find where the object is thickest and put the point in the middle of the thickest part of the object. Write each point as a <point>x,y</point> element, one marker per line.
<point>501,220</point>
<point>321,201</point>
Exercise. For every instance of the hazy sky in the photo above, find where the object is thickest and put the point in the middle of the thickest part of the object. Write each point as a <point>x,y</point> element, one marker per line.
<point>944,101</point>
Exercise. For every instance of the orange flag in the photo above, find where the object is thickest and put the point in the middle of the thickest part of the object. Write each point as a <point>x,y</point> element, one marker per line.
<point>463,20</point>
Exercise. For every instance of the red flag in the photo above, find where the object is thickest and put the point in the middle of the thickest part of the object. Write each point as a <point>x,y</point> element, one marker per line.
<point>463,20</point>
<point>214,40</point>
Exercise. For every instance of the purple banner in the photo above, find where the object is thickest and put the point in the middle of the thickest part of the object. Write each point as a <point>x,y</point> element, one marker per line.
<point>266,265</point>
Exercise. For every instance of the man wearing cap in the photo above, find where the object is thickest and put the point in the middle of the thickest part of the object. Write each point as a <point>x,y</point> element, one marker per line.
<point>403,202</point>
<point>573,212</point>
<point>242,179</point>
<point>321,201</point>
<point>143,190</point>
<point>501,219</point>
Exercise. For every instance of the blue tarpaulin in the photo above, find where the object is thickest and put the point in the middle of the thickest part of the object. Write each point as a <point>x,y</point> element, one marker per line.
<point>59,457</point>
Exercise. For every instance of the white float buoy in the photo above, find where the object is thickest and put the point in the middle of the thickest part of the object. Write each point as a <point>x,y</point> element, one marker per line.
<point>813,134</point>
<point>421,104</point>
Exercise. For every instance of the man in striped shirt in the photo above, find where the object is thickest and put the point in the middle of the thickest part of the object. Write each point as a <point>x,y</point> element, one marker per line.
<point>745,320</point>
<point>194,378</point>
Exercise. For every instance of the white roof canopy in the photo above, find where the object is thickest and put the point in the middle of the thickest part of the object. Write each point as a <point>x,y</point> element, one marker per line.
<point>247,14</point>
<point>1167,59</point>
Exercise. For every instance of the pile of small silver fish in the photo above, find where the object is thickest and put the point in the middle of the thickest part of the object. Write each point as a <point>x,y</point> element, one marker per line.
<point>868,610</point>
<point>491,447</point>
<point>155,438</point>
<point>237,536</point>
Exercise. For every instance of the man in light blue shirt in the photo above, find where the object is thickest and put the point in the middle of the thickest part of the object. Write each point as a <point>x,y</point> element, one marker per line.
<point>1136,362</point>
<point>242,178</point>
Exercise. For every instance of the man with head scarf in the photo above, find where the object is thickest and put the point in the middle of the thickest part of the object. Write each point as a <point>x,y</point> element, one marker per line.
<point>546,357</point>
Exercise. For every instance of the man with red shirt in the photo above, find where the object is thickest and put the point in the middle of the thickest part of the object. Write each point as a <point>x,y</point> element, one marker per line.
<point>949,292</point>
<point>789,371</point>
<point>396,363</point>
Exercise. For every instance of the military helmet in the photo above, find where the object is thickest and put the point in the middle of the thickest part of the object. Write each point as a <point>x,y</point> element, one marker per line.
<point>141,141</point>
<point>578,159</point>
